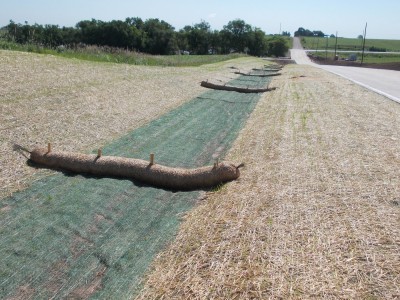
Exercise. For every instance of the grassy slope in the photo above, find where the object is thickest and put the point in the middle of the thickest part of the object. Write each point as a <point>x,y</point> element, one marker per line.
<point>96,236</point>
<point>42,95</point>
<point>316,211</point>
<point>116,55</point>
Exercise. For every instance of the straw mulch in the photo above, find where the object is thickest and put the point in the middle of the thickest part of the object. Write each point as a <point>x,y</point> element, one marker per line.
<point>80,106</point>
<point>316,212</point>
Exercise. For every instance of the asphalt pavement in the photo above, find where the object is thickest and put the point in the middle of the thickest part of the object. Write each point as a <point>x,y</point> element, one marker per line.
<point>384,82</point>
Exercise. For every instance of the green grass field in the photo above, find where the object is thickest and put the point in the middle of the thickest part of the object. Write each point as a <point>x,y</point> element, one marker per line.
<point>355,46</point>
<point>350,44</point>
<point>114,55</point>
<point>373,58</point>
<point>381,58</point>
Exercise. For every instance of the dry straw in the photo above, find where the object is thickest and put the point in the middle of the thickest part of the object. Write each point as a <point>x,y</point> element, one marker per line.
<point>316,214</point>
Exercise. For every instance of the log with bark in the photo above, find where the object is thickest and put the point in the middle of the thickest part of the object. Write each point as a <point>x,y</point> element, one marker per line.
<point>234,88</point>
<point>144,171</point>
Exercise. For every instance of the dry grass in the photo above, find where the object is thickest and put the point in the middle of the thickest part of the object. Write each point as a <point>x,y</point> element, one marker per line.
<point>80,106</point>
<point>316,212</point>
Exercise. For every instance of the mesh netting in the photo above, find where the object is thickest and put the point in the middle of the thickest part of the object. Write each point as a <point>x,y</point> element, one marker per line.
<point>80,236</point>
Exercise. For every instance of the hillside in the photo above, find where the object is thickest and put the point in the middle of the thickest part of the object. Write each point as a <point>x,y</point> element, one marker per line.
<point>315,213</point>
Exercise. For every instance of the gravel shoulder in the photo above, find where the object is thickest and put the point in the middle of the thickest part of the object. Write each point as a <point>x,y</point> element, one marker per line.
<point>315,213</point>
<point>80,106</point>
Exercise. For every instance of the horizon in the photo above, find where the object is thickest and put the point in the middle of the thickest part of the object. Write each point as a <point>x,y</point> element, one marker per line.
<point>272,18</point>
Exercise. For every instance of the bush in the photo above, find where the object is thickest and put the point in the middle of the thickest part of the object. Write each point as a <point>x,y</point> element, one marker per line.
<point>277,46</point>
<point>376,49</point>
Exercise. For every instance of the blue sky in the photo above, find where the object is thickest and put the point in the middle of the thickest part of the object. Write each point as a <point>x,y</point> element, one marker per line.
<point>348,17</point>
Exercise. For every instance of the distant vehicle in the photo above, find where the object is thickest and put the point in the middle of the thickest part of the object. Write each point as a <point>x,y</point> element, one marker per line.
<point>182,52</point>
<point>352,57</point>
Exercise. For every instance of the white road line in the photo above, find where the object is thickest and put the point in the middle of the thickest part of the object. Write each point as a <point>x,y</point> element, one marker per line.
<point>300,56</point>
<point>391,97</point>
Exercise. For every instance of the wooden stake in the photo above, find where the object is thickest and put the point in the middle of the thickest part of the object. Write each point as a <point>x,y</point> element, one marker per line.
<point>48,148</point>
<point>152,158</point>
<point>99,153</point>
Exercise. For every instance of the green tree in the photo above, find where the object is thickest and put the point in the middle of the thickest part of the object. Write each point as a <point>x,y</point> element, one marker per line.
<point>237,35</point>
<point>160,37</point>
<point>152,36</point>
<point>90,32</point>
<point>138,35</point>
<point>52,36</point>
<point>136,22</point>
<point>318,33</point>
<point>197,38</point>
<point>277,46</point>
<point>305,32</point>
<point>215,42</point>
<point>182,39</point>
<point>69,36</point>
<point>11,31</point>
<point>257,43</point>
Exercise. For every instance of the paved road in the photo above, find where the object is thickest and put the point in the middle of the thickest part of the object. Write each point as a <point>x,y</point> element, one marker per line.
<point>384,82</point>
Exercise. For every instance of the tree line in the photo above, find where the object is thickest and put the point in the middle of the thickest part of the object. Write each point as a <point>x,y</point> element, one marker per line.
<point>306,32</point>
<point>153,36</point>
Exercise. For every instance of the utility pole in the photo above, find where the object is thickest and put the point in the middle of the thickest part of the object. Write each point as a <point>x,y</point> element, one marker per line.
<point>336,45</point>
<point>326,47</point>
<point>363,47</point>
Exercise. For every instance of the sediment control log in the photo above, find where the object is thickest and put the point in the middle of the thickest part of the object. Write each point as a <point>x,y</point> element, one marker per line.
<point>234,88</point>
<point>141,170</point>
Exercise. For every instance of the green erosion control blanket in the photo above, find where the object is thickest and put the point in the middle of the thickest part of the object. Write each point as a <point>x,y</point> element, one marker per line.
<point>75,236</point>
